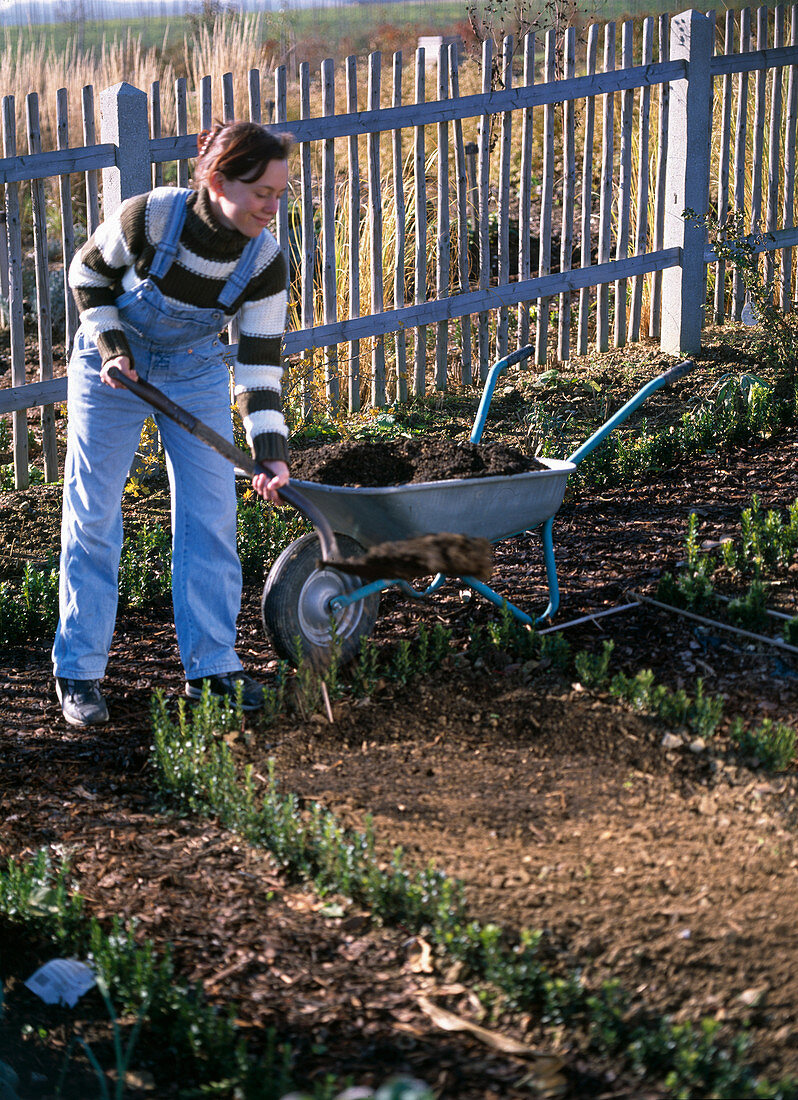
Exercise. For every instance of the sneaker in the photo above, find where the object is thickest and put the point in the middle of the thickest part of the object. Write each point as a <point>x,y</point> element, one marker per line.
<point>81,702</point>
<point>226,685</point>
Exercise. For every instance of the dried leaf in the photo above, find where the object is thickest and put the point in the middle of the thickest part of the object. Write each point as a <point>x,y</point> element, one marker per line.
<point>448,1021</point>
<point>419,956</point>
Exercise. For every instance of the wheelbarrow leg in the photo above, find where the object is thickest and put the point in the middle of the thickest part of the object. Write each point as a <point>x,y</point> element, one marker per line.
<point>551,572</point>
<point>551,578</point>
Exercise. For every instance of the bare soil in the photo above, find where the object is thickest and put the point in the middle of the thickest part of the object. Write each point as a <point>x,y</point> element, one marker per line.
<point>672,870</point>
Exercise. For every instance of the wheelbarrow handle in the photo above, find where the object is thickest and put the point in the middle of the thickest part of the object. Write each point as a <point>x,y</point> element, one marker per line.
<point>665,379</point>
<point>182,417</point>
<point>679,371</point>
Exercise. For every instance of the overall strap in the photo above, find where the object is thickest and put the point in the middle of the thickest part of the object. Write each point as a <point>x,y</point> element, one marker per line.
<point>242,273</point>
<point>167,246</point>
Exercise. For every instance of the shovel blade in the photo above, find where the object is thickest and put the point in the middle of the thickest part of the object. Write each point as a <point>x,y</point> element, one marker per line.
<point>448,553</point>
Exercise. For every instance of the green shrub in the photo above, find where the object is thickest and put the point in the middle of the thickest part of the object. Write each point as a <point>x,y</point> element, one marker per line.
<point>748,611</point>
<point>592,668</point>
<point>30,609</point>
<point>772,743</point>
<point>144,567</point>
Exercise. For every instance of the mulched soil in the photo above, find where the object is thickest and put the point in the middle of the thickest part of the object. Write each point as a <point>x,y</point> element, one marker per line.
<point>671,869</point>
<point>364,462</point>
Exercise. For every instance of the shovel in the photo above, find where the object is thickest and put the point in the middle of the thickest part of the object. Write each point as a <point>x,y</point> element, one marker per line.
<point>404,560</point>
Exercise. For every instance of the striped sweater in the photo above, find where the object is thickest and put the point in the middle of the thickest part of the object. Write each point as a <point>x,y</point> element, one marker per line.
<point>120,252</point>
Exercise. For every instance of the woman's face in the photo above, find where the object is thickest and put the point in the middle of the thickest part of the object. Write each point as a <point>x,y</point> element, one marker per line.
<point>248,205</point>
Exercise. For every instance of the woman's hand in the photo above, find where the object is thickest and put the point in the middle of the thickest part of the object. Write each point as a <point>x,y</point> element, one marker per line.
<point>267,484</point>
<point>124,364</point>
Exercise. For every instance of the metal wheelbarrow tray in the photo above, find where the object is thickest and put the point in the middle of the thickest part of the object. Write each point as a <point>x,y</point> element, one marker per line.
<point>301,598</point>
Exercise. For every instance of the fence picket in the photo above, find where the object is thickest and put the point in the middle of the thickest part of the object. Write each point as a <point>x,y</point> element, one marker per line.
<point>624,186</point>
<point>546,199</point>
<point>585,227</point>
<point>420,260</point>
<point>19,419</point>
<point>329,284</point>
<point>757,151</point>
<point>92,175</point>
<point>738,291</point>
<point>525,193</point>
<point>443,242</point>
<point>67,223</point>
<point>228,98</point>
<point>400,232</point>
<point>228,115</point>
<point>155,129</point>
<point>774,136</point>
<point>483,197</point>
<point>281,117</point>
<point>605,194</point>
<point>181,114</point>
<point>41,268</point>
<point>722,203</point>
<point>641,217</point>
<point>308,240</point>
<point>253,94</point>
<point>788,203</point>
<point>503,205</point>
<point>461,179</point>
<point>568,187</point>
<point>206,103</point>
<point>663,103</point>
<point>353,173</point>
<point>378,393</point>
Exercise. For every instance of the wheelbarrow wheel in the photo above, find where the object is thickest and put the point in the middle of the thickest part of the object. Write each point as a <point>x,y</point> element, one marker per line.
<point>296,603</point>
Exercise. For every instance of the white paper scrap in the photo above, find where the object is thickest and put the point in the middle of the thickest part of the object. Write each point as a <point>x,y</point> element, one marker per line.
<point>61,981</point>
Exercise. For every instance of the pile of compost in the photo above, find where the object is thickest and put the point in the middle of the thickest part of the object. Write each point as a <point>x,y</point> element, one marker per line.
<point>371,463</point>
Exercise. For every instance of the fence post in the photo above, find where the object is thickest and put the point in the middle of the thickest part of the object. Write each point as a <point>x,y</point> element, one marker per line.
<point>124,123</point>
<point>687,183</point>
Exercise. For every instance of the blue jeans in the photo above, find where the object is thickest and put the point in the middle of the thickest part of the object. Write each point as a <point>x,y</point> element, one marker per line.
<point>103,434</point>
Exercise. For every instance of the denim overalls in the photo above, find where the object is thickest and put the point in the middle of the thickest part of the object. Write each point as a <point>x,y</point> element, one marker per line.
<point>177,348</point>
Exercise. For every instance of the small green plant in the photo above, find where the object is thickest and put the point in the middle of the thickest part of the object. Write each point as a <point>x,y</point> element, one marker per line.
<point>772,743</point>
<point>29,609</point>
<point>692,588</point>
<point>702,714</point>
<point>592,668</point>
<point>557,649</point>
<point>365,674</point>
<point>36,892</point>
<point>262,534</point>
<point>123,1053</point>
<point>144,568</point>
<point>749,611</point>
<point>790,631</point>
<point>777,331</point>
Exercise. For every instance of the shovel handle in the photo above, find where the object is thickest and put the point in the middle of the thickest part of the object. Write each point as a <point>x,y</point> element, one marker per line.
<point>184,419</point>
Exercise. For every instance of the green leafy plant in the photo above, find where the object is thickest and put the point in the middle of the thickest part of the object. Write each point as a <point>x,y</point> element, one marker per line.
<point>749,610</point>
<point>30,608</point>
<point>740,249</point>
<point>771,743</point>
<point>144,568</point>
<point>790,631</point>
<point>592,668</point>
<point>693,587</point>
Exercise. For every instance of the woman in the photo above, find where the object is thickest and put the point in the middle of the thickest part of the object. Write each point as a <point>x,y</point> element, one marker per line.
<point>155,284</point>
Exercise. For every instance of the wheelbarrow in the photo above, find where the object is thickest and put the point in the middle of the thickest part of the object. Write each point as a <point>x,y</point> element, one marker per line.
<point>306,599</point>
<point>303,596</point>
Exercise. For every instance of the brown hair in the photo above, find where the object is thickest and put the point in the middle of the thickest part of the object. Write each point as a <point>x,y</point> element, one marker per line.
<point>239,150</point>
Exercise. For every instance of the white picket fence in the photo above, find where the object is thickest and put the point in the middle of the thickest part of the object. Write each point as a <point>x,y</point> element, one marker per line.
<point>702,146</point>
